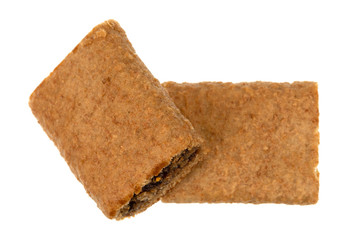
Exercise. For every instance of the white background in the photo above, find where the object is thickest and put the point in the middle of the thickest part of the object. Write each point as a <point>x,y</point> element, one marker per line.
<point>178,41</point>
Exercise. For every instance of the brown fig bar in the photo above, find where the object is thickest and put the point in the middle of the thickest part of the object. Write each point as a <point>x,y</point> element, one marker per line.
<point>261,142</point>
<point>115,125</point>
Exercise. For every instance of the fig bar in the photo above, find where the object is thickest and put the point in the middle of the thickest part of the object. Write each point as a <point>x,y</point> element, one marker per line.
<point>261,142</point>
<point>116,127</point>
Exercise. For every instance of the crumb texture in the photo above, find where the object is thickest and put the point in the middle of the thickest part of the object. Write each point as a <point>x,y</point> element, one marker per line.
<point>261,142</point>
<point>110,118</point>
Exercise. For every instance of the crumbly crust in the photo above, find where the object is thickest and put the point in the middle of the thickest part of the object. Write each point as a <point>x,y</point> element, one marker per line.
<point>261,142</point>
<point>112,121</point>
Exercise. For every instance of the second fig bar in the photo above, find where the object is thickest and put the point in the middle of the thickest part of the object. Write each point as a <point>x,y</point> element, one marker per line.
<point>261,142</point>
